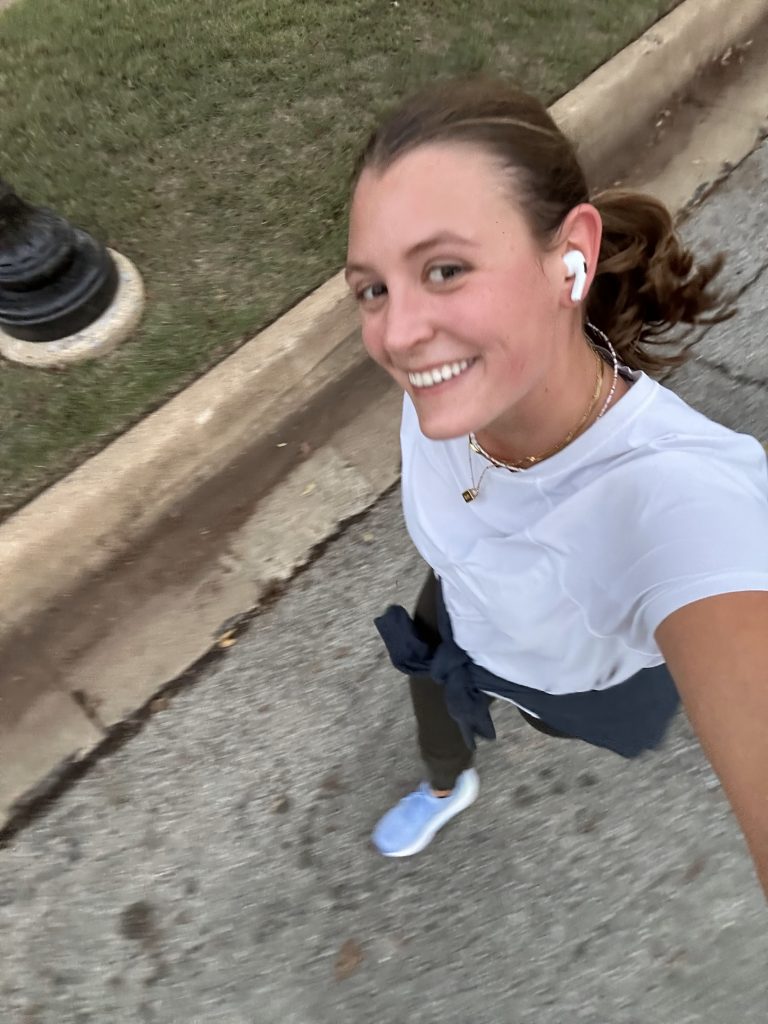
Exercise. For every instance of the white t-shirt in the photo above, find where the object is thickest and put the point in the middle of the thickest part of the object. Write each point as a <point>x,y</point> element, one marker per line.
<point>558,577</point>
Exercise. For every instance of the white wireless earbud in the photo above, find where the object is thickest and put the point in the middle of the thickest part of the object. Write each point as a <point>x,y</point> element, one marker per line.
<point>577,268</point>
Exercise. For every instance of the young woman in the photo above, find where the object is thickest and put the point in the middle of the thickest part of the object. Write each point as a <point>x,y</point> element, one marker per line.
<point>590,537</point>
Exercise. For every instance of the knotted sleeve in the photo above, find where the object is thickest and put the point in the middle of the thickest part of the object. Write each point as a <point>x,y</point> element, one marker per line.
<point>447,664</point>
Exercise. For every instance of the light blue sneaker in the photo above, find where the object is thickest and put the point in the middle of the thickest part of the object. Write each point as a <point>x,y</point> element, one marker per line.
<point>412,824</point>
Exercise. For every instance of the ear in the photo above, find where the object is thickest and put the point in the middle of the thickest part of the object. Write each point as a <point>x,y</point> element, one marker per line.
<point>582,230</point>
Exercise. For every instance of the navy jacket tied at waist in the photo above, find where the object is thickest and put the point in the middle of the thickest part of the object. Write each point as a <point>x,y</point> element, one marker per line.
<point>627,718</point>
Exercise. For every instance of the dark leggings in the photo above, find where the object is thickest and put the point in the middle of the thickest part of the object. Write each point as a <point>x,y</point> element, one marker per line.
<point>442,748</point>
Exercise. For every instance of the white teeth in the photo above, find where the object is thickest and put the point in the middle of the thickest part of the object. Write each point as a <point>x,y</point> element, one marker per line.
<point>427,378</point>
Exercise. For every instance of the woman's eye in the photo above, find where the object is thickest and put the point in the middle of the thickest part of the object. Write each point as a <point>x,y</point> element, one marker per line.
<point>444,272</point>
<point>371,292</point>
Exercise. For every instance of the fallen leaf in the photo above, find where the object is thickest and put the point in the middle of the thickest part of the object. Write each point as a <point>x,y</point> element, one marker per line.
<point>226,639</point>
<point>308,490</point>
<point>368,538</point>
<point>349,959</point>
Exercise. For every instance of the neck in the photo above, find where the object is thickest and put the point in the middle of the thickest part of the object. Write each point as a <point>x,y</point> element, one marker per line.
<point>553,406</point>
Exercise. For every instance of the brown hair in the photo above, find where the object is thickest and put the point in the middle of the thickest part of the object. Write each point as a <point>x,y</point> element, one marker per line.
<point>645,281</point>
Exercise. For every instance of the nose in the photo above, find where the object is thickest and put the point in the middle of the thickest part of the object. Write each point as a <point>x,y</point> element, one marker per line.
<point>407,320</point>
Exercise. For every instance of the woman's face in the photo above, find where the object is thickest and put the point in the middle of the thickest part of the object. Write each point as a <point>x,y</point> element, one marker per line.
<point>458,301</point>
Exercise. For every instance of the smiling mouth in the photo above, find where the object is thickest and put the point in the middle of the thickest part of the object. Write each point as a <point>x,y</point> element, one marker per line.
<point>429,378</point>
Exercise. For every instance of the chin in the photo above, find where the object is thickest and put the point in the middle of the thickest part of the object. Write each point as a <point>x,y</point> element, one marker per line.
<point>443,429</point>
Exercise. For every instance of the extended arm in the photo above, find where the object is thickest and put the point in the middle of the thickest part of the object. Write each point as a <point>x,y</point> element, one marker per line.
<point>717,652</point>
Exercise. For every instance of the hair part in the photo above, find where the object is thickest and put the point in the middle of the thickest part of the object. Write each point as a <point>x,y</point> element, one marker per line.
<point>645,282</point>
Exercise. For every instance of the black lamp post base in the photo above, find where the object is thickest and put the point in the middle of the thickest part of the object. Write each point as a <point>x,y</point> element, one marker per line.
<point>118,322</point>
<point>55,279</point>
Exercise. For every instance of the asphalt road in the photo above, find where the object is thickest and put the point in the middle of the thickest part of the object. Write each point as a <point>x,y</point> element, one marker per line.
<point>216,870</point>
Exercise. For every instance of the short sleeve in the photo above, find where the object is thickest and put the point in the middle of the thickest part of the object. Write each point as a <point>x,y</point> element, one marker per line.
<point>701,529</point>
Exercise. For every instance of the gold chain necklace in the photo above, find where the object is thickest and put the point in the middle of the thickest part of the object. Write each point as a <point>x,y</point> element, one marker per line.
<point>531,460</point>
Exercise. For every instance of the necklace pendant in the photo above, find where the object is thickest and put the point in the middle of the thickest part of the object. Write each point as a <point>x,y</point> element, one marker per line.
<point>470,494</point>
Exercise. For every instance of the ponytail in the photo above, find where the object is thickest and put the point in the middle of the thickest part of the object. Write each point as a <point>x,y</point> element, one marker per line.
<point>646,282</point>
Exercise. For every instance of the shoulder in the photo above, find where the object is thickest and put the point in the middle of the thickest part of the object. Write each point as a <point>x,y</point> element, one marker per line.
<point>685,483</point>
<point>699,529</point>
<point>672,451</point>
<point>679,512</point>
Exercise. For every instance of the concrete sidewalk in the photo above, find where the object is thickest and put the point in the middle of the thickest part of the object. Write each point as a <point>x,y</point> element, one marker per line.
<point>215,869</point>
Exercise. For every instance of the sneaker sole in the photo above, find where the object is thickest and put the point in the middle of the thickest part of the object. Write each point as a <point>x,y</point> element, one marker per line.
<point>472,784</point>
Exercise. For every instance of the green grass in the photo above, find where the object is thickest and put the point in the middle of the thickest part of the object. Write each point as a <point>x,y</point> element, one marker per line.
<point>211,141</point>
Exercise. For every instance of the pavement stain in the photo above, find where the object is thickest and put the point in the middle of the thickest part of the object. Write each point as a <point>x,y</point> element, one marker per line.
<point>332,785</point>
<point>138,922</point>
<point>558,783</point>
<point>580,949</point>
<point>694,869</point>
<point>90,706</point>
<point>342,898</point>
<point>306,854</point>
<point>587,779</point>
<point>525,796</point>
<point>586,821</point>
<point>281,805</point>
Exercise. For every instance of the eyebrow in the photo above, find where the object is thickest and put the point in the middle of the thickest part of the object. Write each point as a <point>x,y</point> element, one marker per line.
<point>441,238</point>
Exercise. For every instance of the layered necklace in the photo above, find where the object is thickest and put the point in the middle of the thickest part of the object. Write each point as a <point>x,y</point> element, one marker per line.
<point>531,460</point>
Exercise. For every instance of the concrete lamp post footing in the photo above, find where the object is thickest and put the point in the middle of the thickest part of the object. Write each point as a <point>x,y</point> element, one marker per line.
<point>118,321</point>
